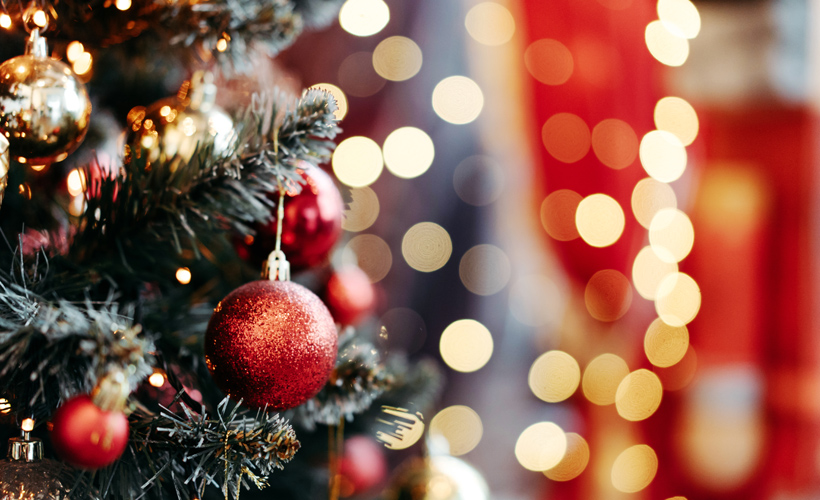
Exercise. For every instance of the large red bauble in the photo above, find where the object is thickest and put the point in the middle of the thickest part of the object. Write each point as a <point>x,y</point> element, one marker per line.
<point>271,343</point>
<point>349,295</point>
<point>311,226</point>
<point>86,436</point>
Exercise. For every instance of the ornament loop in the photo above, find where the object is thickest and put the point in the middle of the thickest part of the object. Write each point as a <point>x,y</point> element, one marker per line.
<point>277,268</point>
<point>36,45</point>
<point>25,450</point>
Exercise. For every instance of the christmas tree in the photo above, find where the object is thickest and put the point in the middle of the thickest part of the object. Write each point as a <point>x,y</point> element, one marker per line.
<point>138,346</point>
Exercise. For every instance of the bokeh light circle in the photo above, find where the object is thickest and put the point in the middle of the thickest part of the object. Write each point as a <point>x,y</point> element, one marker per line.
<point>541,446</point>
<point>466,345</point>
<point>364,17</point>
<point>549,61</point>
<point>397,58</point>
<point>614,143</point>
<point>458,100</point>
<point>639,395</point>
<point>554,376</point>
<point>663,155</point>
<point>485,269</point>
<point>373,255</point>
<point>426,247</point>
<point>566,137</point>
<point>600,220</point>
<point>408,152</point>
<point>678,299</point>
<point>608,295</point>
<point>649,197</point>
<point>634,469</point>
<point>648,270</point>
<point>665,345</point>
<point>574,462</point>
<point>602,377</point>
<point>490,23</point>
<point>461,426</point>
<point>357,161</point>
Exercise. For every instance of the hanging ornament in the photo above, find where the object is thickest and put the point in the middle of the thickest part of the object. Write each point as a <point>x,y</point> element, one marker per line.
<point>25,474</point>
<point>170,131</point>
<point>91,432</point>
<point>271,343</point>
<point>363,465</point>
<point>44,108</point>
<point>349,295</point>
<point>312,223</point>
<point>438,478</point>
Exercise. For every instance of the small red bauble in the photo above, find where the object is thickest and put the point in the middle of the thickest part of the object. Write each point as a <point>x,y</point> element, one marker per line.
<point>86,436</point>
<point>363,464</point>
<point>311,226</point>
<point>271,343</point>
<point>349,295</point>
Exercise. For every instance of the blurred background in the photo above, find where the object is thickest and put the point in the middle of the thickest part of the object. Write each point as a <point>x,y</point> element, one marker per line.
<point>599,216</point>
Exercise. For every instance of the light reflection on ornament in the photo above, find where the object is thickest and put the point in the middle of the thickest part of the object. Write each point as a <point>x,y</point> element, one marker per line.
<point>466,345</point>
<point>541,446</point>
<point>554,376</point>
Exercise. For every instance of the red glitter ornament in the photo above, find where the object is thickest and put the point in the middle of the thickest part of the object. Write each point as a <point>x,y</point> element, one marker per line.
<point>349,295</point>
<point>363,465</point>
<point>311,226</point>
<point>271,343</point>
<point>86,436</point>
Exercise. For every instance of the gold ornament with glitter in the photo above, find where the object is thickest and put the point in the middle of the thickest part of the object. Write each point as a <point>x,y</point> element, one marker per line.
<point>44,107</point>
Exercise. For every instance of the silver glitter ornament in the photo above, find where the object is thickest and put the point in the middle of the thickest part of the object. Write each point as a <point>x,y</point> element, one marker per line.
<point>26,475</point>
<point>44,108</point>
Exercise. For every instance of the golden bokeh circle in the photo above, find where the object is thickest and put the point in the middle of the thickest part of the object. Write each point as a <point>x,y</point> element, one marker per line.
<point>426,247</point>
<point>665,46</point>
<point>541,446</point>
<point>485,269</point>
<point>338,95</point>
<point>676,115</point>
<point>650,196</point>
<point>408,152</point>
<point>648,270</point>
<point>665,345</point>
<point>566,137</point>
<point>461,426</point>
<point>678,299</point>
<point>574,462</point>
<point>663,155</point>
<point>558,214</point>
<point>373,255</point>
<point>458,100</point>
<point>363,211</point>
<point>634,469</point>
<point>639,395</point>
<point>608,295</point>
<point>554,376</point>
<point>680,17</point>
<point>357,161</point>
<point>602,377</point>
<point>614,143</point>
<point>671,235</point>
<point>600,220</point>
<point>549,61</point>
<point>466,345</point>
<point>490,23</point>
<point>364,17</point>
<point>397,58</point>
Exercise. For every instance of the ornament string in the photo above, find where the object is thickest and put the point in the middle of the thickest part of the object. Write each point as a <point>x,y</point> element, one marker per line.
<point>277,267</point>
<point>335,449</point>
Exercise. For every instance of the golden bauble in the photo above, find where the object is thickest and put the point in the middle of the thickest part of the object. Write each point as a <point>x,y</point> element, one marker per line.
<point>438,478</point>
<point>44,108</point>
<point>169,132</point>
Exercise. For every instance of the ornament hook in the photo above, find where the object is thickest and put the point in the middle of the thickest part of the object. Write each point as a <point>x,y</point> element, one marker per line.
<point>276,260</point>
<point>36,45</point>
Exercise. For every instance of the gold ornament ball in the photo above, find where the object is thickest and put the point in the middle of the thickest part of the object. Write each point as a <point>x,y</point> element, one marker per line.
<point>44,108</point>
<point>169,132</point>
<point>438,478</point>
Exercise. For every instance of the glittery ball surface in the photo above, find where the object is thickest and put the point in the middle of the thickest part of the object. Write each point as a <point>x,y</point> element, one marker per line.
<point>271,343</point>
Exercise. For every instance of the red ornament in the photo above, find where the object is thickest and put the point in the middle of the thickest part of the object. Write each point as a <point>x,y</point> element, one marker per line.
<point>86,436</point>
<point>349,295</point>
<point>311,226</point>
<point>363,465</point>
<point>271,343</point>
